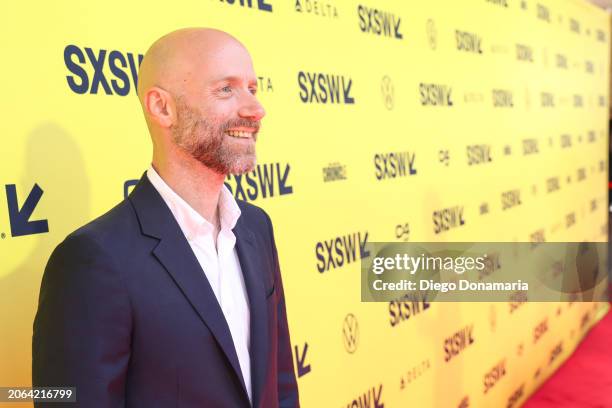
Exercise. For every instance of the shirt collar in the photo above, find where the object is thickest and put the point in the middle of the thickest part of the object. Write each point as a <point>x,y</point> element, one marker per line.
<point>190,221</point>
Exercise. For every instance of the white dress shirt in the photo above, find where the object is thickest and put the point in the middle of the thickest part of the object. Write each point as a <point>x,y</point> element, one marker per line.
<point>220,265</point>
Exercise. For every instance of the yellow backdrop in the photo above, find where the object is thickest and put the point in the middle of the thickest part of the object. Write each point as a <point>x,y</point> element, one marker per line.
<point>436,120</point>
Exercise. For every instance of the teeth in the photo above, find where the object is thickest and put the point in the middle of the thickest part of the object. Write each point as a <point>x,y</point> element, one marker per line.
<point>238,133</point>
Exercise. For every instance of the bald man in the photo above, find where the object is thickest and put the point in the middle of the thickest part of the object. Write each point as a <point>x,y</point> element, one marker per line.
<point>174,298</point>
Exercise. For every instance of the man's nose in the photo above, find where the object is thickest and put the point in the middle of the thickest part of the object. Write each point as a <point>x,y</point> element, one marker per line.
<point>251,109</point>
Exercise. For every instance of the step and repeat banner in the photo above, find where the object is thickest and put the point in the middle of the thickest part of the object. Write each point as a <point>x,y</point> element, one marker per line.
<point>386,121</point>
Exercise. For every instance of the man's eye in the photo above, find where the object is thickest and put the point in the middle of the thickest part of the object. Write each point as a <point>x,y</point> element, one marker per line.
<point>253,90</point>
<point>227,89</point>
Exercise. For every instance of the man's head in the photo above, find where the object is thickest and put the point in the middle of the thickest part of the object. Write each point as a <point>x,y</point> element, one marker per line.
<point>197,90</point>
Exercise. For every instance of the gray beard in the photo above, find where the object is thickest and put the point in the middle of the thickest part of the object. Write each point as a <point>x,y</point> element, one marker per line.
<point>209,144</point>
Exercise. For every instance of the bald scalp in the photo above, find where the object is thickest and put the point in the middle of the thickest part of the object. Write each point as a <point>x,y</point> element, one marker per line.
<point>170,59</point>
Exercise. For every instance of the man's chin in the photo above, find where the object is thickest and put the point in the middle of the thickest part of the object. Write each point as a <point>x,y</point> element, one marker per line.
<point>242,168</point>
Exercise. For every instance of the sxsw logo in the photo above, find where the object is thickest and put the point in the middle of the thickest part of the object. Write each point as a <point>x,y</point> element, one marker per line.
<point>372,398</point>
<point>261,5</point>
<point>338,251</point>
<point>19,216</point>
<point>378,22</point>
<point>394,164</point>
<point>448,218</point>
<point>479,154</point>
<point>578,101</point>
<point>537,237</point>
<point>266,181</point>
<point>530,146</point>
<point>458,341</point>
<point>547,100</point>
<point>543,13</point>
<point>511,198</point>
<point>407,307</point>
<point>494,375</point>
<point>502,98</point>
<point>574,26</point>
<point>540,329</point>
<point>88,71</point>
<point>601,36</point>
<point>552,184</point>
<point>435,94</point>
<point>468,42</point>
<point>516,396</point>
<point>524,53</point>
<point>316,87</point>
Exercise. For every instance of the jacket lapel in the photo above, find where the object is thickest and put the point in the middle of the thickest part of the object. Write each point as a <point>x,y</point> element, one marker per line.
<point>249,256</point>
<point>175,254</point>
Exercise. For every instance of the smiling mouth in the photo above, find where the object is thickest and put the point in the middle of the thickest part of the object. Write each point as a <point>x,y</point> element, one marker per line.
<point>240,134</point>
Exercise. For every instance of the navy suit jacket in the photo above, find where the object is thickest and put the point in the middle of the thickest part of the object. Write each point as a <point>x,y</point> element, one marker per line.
<point>127,316</point>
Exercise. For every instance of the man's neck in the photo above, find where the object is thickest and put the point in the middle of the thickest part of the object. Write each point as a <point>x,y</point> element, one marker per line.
<point>195,183</point>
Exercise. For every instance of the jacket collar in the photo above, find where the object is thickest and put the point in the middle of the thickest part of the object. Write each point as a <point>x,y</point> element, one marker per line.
<point>191,222</point>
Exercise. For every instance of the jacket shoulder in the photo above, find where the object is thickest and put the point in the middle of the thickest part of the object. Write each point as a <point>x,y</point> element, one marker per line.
<point>119,220</point>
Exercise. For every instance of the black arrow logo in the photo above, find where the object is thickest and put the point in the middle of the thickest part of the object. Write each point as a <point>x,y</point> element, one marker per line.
<point>20,217</point>
<point>346,90</point>
<point>396,28</point>
<point>301,368</point>
<point>282,184</point>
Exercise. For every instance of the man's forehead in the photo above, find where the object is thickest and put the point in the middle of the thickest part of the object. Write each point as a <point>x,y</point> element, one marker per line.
<point>251,78</point>
<point>225,64</point>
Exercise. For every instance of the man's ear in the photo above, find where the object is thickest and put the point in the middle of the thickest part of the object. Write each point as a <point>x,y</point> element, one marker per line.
<point>160,106</point>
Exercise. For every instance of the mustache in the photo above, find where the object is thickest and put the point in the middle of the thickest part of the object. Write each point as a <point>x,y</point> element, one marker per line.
<point>240,123</point>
